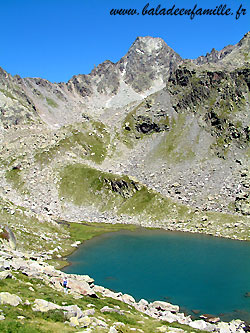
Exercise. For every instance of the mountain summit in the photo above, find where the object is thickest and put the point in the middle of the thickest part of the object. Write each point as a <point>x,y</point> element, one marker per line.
<point>149,61</point>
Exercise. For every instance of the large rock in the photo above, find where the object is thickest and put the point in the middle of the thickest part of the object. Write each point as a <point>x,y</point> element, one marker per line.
<point>108,309</point>
<point>89,312</point>
<point>81,287</point>
<point>5,275</point>
<point>128,299</point>
<point>113,330</point>
<point>202,325</point>
<point>44,306</point>
<point>72,311</point>
<point>182,319</point>
<point>142,305</point>
<point>6,264</point>
<point>57,282</point>
<point>11,299</point>
<point>31,273</point>
<point>165,329</point>
<point>74,322</point>
<point>232,327</point>
<point>19,264</point>
<point>164,306</point>
<point>169,317</point>
<point>111,294</point>
<point>99,289</point>
<point>87,279</point>
<point>84,321</point>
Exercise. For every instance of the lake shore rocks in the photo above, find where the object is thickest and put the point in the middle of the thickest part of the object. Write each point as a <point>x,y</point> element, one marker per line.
<point>83,285</point>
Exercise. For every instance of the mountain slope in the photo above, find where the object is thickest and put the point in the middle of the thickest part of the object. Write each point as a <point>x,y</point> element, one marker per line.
<point>151,140</point>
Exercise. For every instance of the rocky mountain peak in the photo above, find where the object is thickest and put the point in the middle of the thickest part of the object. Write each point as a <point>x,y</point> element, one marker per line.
<point>148,44</point>
<point>143,70</point>
<point>148,60</point>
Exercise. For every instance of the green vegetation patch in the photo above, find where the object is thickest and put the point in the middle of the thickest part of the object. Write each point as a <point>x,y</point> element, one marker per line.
<point>87,140</point>
<point>51,102</point>
<point>86,186</point>
<point>31,233</point>
<point>150,205</point>
<point>7,93</point>
<point>14,176</point>
<point>85,231</point>
<point>174,146</point>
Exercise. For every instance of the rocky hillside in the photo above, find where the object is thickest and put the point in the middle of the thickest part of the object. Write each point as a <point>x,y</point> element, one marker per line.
<point>152,140</point>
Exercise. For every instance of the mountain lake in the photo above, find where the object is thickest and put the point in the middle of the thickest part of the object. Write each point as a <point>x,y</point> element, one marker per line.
<point>196,272</point>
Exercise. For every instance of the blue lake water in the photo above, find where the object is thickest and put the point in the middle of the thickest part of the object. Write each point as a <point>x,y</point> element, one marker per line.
<point>194,271</point>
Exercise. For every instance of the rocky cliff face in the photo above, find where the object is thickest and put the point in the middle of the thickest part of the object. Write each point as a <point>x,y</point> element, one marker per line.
<point>152,139</point>
<point>148,62</point>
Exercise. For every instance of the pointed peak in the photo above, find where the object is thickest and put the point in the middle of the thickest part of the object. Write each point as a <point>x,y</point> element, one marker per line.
<point>148,44</point>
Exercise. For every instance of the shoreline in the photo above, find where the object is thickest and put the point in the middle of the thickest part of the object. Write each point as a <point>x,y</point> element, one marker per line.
<point>70,251</point>
<point>155,231</point>
<point>128,227</point>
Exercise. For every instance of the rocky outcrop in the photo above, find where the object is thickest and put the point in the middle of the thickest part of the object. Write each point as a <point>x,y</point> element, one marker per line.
<point>217,98</point>
<point>124,188</point>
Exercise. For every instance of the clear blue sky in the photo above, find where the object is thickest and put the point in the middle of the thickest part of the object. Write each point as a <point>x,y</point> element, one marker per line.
<point>56,39</point>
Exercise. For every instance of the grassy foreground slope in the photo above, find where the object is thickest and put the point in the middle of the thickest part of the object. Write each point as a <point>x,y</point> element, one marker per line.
<point>23,319</point>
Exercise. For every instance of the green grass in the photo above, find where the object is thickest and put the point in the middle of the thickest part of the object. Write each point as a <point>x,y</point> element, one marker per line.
<point>87,186</point>
<point>14,176</point>
<point>87,140</point>
<point>85,231</point>
<point>174,146</point>
<point>7,93</point>
<point>51,102</point>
